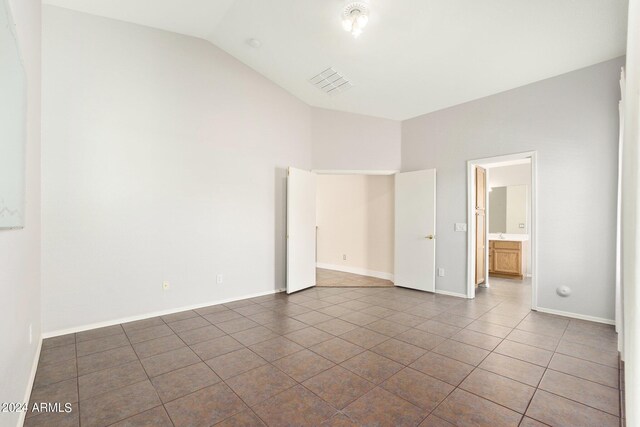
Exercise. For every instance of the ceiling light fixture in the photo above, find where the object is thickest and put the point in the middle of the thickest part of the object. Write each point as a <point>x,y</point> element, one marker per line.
<point>355,17</point>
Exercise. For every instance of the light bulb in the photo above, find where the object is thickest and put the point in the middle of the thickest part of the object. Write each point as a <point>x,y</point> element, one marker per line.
<point>362,20</point>
<point>347,24</point>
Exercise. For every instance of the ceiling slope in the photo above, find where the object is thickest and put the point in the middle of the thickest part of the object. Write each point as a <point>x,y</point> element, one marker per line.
<point>414,57</point>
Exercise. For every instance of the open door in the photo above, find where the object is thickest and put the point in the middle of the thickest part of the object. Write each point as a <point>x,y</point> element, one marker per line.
<point>481,236</point>
<point>415,228</point>
<point>301,230</point>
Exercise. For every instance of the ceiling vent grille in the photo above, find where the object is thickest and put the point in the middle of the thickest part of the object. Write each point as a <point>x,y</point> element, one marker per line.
<point>330,81</point>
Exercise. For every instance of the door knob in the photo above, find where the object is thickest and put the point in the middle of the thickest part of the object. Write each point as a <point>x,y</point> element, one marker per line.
<point>430,237</point>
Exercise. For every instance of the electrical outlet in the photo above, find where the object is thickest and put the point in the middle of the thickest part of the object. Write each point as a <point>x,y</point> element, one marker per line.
<point>219,279</point>
<point>30,333</point>
<point>441,272</point>
<point>166,285</point>
<point>344,257</point>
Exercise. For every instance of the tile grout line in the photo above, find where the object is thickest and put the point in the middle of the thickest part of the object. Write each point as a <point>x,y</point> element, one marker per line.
<point>545,372</point>
<point>473,370</point>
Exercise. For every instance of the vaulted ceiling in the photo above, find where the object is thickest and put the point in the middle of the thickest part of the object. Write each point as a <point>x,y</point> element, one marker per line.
<point>414,57</point>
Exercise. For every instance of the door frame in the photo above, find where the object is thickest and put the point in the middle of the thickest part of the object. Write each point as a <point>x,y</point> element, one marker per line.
<point>484,284</point>
<point>354,172</point>
<point>471,232</point>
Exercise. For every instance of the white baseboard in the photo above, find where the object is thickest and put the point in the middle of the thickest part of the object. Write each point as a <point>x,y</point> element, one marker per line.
<point>32,378</point>
<point>575,315</point>
<point>153,314</point>
<point>451,294</point>
<point>356,270</point>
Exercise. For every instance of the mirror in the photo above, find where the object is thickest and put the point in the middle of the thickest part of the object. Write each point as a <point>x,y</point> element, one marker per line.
<point>508,209</point>
<point>13,101</point>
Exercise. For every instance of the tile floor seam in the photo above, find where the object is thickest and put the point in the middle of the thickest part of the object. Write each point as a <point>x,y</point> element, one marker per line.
<point>155,354</point>
<point>250,370</point>
<point>545,371</point>
<point>492,401</point>
<point>580,378</point>
<point>585,360</point>
<point>263,400</point>
<point>329,403</point>
<point>359,376</point>
<point>190,392</point>
<point>482,348</point>
<point>101,351</point>
<point>504,376</point>
<point>252,411</point>
<point>578,402</point>
<point>134,415</point>
<point>168,414</point>
<point>211,385</point>
<point>446,397</point>
<point>172,370</point>
<point>338,364</point>
<point>319,373</point>
<point>473,370</point>
<point>145,369</point>
<point>116,389</point>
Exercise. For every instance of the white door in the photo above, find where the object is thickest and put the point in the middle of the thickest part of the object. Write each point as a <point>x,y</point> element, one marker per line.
<point>301,230</point>
<point>415,217</point>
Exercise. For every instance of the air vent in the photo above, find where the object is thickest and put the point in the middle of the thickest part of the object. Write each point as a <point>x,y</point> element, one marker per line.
<point>330,81</point>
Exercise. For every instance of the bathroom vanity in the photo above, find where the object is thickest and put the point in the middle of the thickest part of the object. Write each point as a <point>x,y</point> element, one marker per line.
<point>506,256</point>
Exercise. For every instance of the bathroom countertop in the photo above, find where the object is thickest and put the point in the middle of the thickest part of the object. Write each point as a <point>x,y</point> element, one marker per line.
<point>512,237</point>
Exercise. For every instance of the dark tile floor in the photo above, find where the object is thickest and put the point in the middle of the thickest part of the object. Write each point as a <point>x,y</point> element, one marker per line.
<point>339,357</point>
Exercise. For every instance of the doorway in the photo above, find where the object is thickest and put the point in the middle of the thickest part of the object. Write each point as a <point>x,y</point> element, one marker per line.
<point>502,227</point>
<point>413,242</point>
<point>355,230</point>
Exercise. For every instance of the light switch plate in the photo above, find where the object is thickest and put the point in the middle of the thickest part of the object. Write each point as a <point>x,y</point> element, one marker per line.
<point>460,226</point>
<point>441,272</point>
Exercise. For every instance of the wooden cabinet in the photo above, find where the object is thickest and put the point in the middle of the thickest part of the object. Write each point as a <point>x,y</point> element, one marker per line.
<point>505,258</point>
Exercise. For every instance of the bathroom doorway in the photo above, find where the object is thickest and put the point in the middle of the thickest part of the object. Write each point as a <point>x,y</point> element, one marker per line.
<point>502,227</point>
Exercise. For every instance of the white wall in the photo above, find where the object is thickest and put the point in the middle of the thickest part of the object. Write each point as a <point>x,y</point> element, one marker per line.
<point>355,217</point>
<point>631,219</point>
<point>346,141</point>
<point>164,158</point>
<point>517,205</point>
<point>503,176</point>
<point>20,249</point>
<point>572,122</point>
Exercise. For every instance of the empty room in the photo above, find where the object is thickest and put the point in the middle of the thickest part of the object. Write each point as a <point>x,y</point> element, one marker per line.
<point>319,213</point>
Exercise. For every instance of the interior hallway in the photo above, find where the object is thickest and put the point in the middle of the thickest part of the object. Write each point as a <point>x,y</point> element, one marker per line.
<point>340,356</point>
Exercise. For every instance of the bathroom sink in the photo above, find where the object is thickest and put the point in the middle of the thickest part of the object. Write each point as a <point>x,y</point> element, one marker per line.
<point>506,236</point>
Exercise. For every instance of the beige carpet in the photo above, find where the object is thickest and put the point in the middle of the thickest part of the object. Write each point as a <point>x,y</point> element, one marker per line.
<point>338,279</point>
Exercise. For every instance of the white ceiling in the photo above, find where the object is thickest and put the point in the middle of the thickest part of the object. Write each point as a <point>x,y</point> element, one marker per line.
<point>414,57</point>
